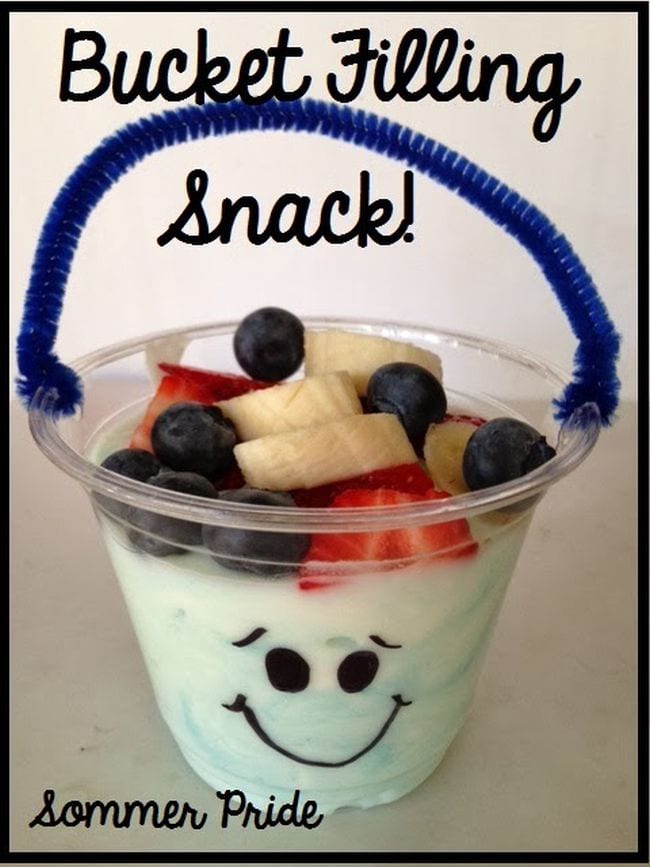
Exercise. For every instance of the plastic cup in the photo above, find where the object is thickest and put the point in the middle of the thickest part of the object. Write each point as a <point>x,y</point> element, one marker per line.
<point>349,688</point>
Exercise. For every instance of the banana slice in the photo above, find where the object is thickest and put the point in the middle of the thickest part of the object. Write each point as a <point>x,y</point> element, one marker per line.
<point>361,355</point>
<point>292,405</point>
<point>444,447</point>
<point>312,456</point>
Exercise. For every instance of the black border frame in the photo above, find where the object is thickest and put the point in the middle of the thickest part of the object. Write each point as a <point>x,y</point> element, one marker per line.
<point>642,854</point>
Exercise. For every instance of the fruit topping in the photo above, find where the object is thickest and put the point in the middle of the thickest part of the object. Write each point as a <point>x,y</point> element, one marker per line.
<point>317,583</point>
<point>348,435</point>
<point>190,437</point>
<point>221,386</point>
<point>269,343</point>
<point>135,464</point>
<point>189,384</point>
<point>159,534</point>
<point>474,420</point>
<point>268,554</point>
<point>233,479</point>
<point>410,392</point>
<point>407,478</point>
<point>444,447</point>
<point>292,405</point>
<point>448,540</point>
<point>312,456</point>
<point>501,450</point>
<point>361,355</point>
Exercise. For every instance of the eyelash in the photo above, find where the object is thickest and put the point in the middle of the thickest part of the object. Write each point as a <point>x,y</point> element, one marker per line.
<point>249,639</point>
<point>382,643</point>
<point>260,630</point>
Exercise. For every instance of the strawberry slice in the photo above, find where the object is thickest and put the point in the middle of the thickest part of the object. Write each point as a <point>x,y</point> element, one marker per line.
<point>222,385</point>
<point>232,480</point>
<point>189,384</point>
<point>319,583</point>
<point>407,478</point>
<point>476,420</point>
<point>450,540</point>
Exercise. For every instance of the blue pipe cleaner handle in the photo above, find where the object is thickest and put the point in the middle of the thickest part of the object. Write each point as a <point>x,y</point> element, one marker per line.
<point>594,374</point>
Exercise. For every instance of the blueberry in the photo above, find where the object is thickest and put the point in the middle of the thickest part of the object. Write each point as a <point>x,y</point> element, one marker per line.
<point>257,551</point>
<point>135,464</point>
<point>154,533</point>
<point>269,344</point>
<point>192,438</point>
<point>501,450</point>
<point>410,392</point>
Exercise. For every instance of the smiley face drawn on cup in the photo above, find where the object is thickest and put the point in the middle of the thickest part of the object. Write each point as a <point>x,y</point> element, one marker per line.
<point>288,671</point>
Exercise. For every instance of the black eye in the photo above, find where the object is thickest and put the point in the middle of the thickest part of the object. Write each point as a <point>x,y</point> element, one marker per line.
<point>357,670</point>
<point>286,669</point>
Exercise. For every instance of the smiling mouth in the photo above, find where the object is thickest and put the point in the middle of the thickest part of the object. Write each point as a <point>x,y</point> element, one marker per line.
<point>239,706</point>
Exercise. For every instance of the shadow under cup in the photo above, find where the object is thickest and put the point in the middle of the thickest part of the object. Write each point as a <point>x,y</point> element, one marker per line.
<point>346,680</point>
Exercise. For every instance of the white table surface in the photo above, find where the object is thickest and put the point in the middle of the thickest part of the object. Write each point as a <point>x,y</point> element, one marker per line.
<point>546,762</point>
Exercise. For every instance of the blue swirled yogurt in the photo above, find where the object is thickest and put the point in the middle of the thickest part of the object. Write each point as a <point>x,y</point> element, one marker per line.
<point>351,695</point>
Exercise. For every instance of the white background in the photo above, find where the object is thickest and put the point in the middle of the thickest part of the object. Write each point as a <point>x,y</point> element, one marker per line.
<point>460,272</point>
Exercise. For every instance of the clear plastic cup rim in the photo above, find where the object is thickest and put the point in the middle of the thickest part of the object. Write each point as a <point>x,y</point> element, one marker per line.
<point>578,436</point>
